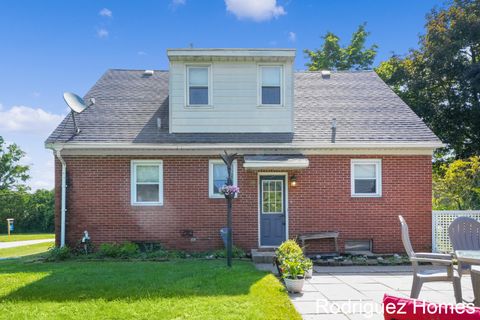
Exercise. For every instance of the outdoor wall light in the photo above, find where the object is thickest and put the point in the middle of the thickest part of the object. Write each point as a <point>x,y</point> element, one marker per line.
<point>293,181</point>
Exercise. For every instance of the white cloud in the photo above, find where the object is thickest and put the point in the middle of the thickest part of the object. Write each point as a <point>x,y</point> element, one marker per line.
<point>29,127</point>
<point>292,36</point>
<point>102,33</point>
<point>28,120</point>
<point>106,13</point>
<point>256,10</point>
<point>176,3</point>
<point>141,53</point>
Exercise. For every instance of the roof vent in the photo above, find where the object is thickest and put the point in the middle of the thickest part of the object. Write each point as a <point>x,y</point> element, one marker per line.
<point>148,73</point>
<point>159,123</point>
<point>326,73</point>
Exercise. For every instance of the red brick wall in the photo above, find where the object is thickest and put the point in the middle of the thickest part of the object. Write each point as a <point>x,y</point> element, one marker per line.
<point>99,201</point>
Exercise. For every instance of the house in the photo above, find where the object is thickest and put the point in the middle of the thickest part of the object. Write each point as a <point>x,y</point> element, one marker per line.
<point>316,151</point>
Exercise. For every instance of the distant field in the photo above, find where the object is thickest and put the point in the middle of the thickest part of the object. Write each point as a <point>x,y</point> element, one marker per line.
<point>25,250</point>
<point>26,236</point>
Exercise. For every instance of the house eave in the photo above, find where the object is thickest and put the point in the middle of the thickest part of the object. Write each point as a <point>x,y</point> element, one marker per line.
<point>411,148</point>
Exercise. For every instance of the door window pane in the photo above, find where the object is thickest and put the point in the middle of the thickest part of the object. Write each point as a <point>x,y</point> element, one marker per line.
<point>272,196</point>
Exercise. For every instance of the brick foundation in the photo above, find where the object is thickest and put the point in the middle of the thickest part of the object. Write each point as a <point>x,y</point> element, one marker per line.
<point>99,201</point>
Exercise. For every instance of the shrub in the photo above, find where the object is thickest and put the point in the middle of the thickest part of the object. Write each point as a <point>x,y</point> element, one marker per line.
<point>109,250</point>
<point>128,249</point>
<point>58,253</point>
<point>288,248</point>
<point>236,253</point>
<point>293,267</point>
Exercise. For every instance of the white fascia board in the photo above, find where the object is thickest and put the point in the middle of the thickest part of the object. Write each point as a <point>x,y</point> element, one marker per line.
<point>297,164</point>
<point>216,146</point>
<point>229,52</point>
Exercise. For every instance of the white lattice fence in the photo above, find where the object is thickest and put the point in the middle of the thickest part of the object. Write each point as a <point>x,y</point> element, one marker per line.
<point>440,222</point>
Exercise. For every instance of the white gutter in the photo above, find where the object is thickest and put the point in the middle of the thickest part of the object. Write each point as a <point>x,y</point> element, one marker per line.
<point>63,198</point>
<point>221,146</point>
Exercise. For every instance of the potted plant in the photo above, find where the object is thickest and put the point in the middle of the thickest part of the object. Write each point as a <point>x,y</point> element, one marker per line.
<point>286,249</point>
<point>293,272</point>
<point>309,267</point>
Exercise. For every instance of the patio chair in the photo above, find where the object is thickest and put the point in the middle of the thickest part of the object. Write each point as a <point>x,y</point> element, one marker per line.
<point>442,267</point>
<point>464,233</point>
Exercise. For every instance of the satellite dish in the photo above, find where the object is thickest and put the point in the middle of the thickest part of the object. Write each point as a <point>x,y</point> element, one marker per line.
<point>77,105</point>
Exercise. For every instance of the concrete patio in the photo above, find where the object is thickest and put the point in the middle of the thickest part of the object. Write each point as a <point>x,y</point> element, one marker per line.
<point>359,291</point>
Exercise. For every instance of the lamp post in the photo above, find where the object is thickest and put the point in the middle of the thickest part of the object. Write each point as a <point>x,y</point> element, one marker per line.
<point>228,160</point>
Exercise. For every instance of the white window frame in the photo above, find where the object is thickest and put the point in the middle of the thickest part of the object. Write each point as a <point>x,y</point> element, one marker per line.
<point>378,177</point>
<point>259,85</point>
<point>212,162</point>
<point>133,182</point>
<point>187,86</point>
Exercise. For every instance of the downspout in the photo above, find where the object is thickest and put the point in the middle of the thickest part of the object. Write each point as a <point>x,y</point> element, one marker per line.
<point>63,198</point>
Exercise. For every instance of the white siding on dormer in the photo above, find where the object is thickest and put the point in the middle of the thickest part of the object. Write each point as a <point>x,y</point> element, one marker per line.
<point>234,105</point>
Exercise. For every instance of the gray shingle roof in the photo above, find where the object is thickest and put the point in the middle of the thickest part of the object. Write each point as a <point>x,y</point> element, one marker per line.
<point>128,104</point>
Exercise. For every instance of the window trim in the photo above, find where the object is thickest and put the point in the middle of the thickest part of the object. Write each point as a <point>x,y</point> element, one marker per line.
<point>212,162</point>
<point>187,86</point>
<point>282,85</point>
<point>378,177</point>
<point>133,182</point>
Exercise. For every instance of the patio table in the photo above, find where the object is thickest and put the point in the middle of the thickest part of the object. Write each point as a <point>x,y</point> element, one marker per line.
<point>471,257</point>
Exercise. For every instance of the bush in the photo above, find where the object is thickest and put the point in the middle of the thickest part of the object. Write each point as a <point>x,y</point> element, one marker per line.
<point>124,250</point>
<point>58,253</point>
<point>236,253</point>
<point>109,250</point>
<point>128,249</point>
<point>288,248</point>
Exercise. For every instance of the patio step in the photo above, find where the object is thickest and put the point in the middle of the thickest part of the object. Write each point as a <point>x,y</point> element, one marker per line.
<point>262,256</point>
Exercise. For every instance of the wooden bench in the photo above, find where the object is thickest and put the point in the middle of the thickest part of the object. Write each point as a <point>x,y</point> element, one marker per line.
<point>320,235</point>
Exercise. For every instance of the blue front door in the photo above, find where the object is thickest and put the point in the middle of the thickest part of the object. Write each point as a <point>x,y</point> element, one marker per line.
<point>272,210</point>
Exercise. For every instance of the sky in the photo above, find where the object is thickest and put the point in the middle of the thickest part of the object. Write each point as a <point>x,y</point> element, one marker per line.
<point>49,47</point>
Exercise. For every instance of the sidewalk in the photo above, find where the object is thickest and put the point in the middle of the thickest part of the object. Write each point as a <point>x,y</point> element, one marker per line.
<point>13,244</point>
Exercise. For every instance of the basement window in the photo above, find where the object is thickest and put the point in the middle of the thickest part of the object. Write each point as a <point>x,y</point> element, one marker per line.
<point>366,177</point>
<point>147,182</point>
<point>271,85</point>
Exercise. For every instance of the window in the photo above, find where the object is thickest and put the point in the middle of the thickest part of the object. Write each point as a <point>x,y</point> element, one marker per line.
<point>218,177</point>
<point>272,196</point>
<point>198,92</point>
<point>271,85</point>
<point>147,182</point>
<point>366,178</point>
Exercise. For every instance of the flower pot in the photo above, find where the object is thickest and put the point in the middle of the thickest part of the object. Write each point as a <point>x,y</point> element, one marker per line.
<point>309,273</point>
<point>294,285</point>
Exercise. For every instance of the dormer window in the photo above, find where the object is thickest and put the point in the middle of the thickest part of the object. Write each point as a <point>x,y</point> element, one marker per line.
<point>198,85</point>
<point>271,85</point>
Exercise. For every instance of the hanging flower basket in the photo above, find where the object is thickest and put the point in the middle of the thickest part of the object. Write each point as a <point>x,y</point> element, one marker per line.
<point>229,191</point>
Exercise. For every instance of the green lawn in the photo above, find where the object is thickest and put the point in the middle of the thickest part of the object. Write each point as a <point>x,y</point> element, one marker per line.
<point>183,289</point>
<point>25,250</point>
<point>26,236</point>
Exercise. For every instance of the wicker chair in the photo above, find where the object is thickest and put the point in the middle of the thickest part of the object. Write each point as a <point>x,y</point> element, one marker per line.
<point>464,233</point>
<point>442,269</point>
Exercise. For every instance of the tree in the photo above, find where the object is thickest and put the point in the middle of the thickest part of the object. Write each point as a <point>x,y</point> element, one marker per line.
<point>12,174</point>
<point>331,56</point>
<point>441,79</point>
<point>457,185</point>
